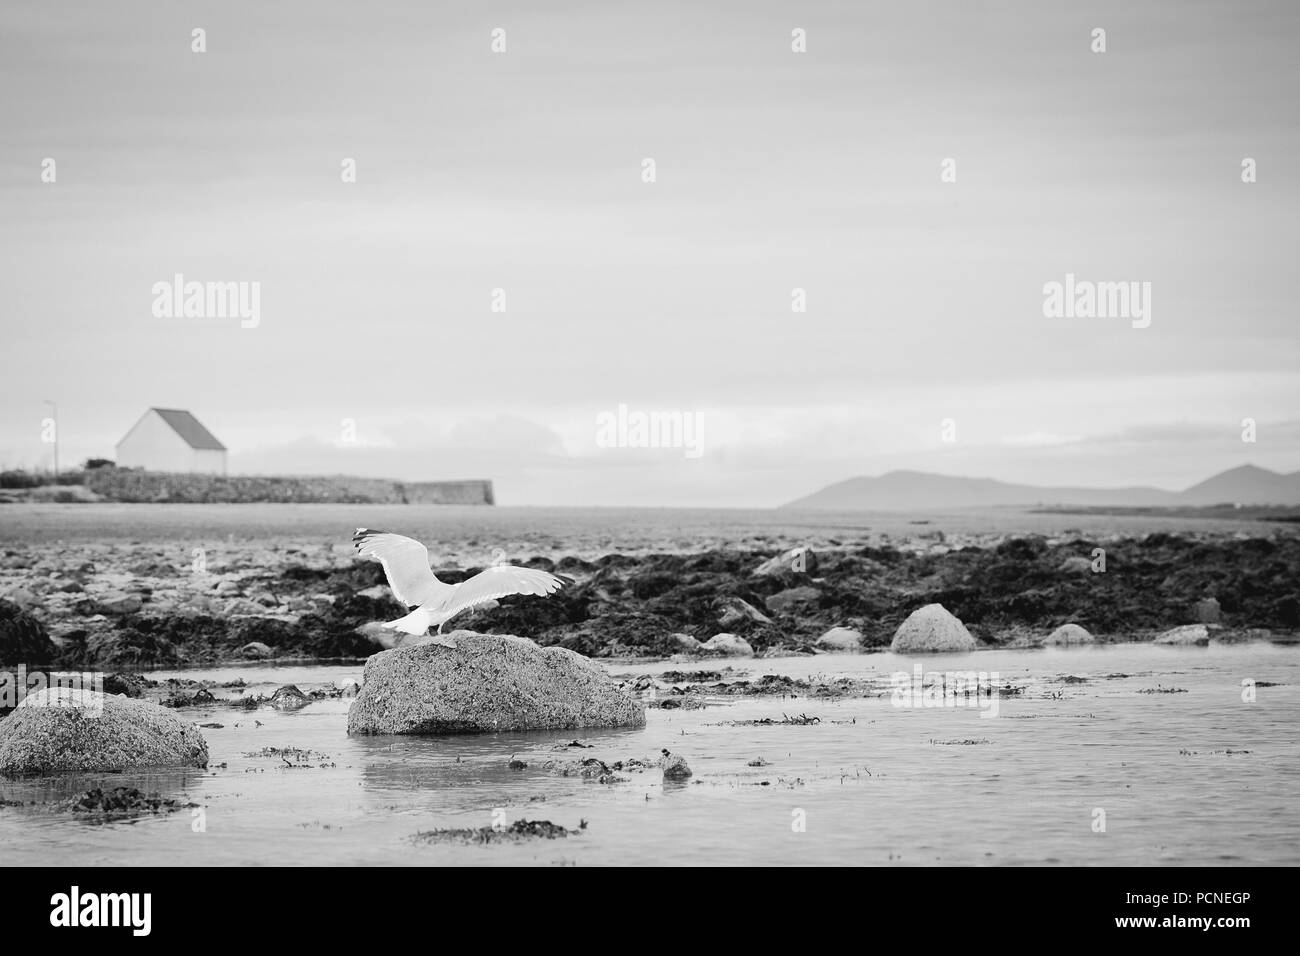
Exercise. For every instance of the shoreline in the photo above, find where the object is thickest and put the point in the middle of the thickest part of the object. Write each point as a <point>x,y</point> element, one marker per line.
<point>135,606</point>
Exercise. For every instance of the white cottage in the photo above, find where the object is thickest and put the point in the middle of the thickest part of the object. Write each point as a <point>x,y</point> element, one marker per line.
<point>170,439</point>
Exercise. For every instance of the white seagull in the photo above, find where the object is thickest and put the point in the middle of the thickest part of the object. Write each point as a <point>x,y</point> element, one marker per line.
<point>406,565</point>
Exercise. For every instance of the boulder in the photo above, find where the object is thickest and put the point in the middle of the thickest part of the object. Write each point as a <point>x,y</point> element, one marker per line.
<point>840,639</point>
<point>1068,634</point>
<point>1189,635</point>
<point>796,561</point>
<point>1207,611</point>
<point>791,598</point>
<point>23,639</point>
<point>931,629</point>
<point>486,683</point>
<point>727,645</point>
<point>58,730</point>
<point>255,650</point>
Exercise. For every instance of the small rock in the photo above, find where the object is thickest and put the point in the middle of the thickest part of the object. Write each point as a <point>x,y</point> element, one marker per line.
<point>127,685</point>
<point>289,697</point>
<point>736,612</point>
<point>728,645</point>
<point>255,650</point>
<point>675,766</point>
<point>348,686</point>
<point>119,604</point>
<point>1189,635</point>
<point>840,639</point>
<point>1068,634</point>
<point>1076,565</point>
<point>685,644</point>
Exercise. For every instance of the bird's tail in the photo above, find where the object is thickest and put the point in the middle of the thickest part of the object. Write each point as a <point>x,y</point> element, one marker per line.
<point>417,622</point>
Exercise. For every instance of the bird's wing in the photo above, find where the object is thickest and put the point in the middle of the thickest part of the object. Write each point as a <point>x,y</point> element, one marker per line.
<point>406,565</point>
<point>498,581</point>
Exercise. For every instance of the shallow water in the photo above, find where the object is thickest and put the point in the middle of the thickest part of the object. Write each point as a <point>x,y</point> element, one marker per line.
<point>877,784</point>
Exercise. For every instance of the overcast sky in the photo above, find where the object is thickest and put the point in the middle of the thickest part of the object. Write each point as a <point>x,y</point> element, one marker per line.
<point>775,170</point>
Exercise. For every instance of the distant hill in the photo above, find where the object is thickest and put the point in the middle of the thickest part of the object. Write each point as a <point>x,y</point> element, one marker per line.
<point>919,490</point>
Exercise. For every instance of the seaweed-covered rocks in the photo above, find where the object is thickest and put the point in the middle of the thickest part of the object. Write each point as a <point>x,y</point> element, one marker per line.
<point>60,729</point>
<point>23,639</point>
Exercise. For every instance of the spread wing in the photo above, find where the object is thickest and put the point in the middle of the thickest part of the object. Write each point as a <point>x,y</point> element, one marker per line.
<point>406,565</point>
<point>495,582</point>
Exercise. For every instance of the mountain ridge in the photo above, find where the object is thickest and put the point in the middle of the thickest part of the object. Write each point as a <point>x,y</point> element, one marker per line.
<point>903,490</point>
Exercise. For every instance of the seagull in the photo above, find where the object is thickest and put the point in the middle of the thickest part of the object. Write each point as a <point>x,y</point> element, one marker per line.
<point>406,565</point>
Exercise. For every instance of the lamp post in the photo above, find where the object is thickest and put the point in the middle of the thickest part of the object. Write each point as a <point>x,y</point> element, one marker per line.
<point>54,415</point>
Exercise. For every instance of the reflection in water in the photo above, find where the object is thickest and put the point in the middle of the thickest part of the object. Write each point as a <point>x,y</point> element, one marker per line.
<point>866,782</point>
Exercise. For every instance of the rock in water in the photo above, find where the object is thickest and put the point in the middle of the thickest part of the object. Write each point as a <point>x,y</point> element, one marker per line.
<point>60,729</point>
<point>675,766</point>
<point>289,697</point>
<point>1187,635</point>
<point>487,683</point>
<point>840,639</point>
<point>931,629</point>
<point>23,639</point>
<point>1068,634</point>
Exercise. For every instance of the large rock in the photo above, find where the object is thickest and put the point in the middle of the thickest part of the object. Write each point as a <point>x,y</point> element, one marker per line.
<point>931,629</point>
<point>488,682</point>
<point>1189,635</point>
<point>60,729</point>
<point>23,639</point>
<point>1068,634</point>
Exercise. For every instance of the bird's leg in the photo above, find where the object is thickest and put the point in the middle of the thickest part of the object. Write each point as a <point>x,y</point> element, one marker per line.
<point>440,627</point>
